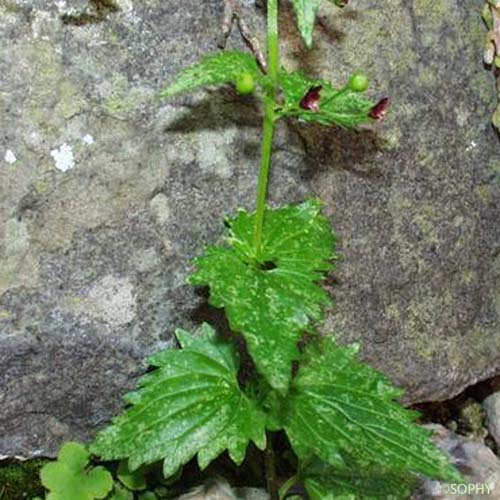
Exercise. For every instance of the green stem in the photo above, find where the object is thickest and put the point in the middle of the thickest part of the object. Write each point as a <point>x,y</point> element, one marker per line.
<point>269,119</point>
<point>286,486</point>
<point>272,485</point>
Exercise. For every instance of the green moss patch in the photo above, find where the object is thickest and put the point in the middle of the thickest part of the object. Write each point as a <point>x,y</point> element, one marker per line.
<point>20,479</point>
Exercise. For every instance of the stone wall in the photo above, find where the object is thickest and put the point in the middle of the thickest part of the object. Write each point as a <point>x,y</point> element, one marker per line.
<point>106,194</point>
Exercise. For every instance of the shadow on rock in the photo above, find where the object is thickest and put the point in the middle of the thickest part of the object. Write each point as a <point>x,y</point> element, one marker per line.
<point>205,313</point>
<point>339,149</point>
<point>217,111</point>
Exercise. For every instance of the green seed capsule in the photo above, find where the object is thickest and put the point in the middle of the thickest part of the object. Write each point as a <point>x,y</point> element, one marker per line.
<point>245,84</point>
<point>359,82</point>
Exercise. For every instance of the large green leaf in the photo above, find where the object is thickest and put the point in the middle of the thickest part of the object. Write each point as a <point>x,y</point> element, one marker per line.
<point>342,107</point>
<point>273,297</point>
<point>305,12</point>
<point>191,404</point>
<point>340,406</point>
<point>355,481</point>
<point>215,69</point>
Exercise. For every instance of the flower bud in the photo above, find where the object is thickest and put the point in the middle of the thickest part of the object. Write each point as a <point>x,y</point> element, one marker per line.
<point>311,100</point>
<point>380,109</point>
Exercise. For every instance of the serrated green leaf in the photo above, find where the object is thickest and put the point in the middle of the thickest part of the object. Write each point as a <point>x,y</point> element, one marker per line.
<point>191,404</point>
<point>305,12</point>
<point>273,297</point>
<point>133,480</point>
<point>215,69</point>
<point>340,406</point>
<point>355,481</point>
<point>342,107</point>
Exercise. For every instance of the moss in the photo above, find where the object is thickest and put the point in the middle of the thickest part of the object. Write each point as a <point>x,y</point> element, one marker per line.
<point>495,168</point>
<point>98,11</point>
<point>5,314</point>
<point>469,277</point>
<point>69,102</point>
<point>41,186</point>
<point>485,193</point>
<point>122,100</point>
<point>434,13</point>
<point>10,7</point>
<point>20,479</point>
<point>471,420</point>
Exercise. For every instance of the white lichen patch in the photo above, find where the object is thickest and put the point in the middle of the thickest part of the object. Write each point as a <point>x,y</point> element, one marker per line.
<point>16,238</point>
<point>111,299</point>
<point>88,139</point>
<point>63,157</point>
<point>10,157</point>
<point>60,4</point>
<point>42,23</point>
<point>146,260</point>
<point>126,6</point>
<point>208,148</point>
<point>160,208</point>
<point>472,145</point>
<point>18,266</point>
<point>461,116</point>
<point>211,151</point>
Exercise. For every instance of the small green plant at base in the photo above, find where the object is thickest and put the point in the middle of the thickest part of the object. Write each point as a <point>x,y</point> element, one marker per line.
<point>350,435</point>
<point>70,478</point>
<point>134,480</point>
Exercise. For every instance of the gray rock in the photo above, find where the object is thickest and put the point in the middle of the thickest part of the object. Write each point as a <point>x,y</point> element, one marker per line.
<point>252,494</point>
<point>492,408</point>
<point>220,489</point>
<point>478,464</point>
<point>106,194</point>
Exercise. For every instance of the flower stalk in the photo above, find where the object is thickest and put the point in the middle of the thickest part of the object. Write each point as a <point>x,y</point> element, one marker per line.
<point>269,122</point>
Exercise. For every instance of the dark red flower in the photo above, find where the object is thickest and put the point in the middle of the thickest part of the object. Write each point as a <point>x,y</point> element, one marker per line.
<point>311,100</point>
<point>380,109</point>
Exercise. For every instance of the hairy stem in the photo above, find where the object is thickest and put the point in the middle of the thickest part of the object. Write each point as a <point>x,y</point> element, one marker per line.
<point>272,486</point>
<point>269,119</point>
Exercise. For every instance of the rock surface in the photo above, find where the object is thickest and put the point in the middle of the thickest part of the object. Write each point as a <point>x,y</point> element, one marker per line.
<point>220,490</point>
<point>477,463</point>
<point>107,193</point>
<point>492,408</point>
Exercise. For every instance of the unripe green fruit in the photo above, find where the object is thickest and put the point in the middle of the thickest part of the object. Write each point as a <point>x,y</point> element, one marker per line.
<point>359,82</point>
<point>245,84</point>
